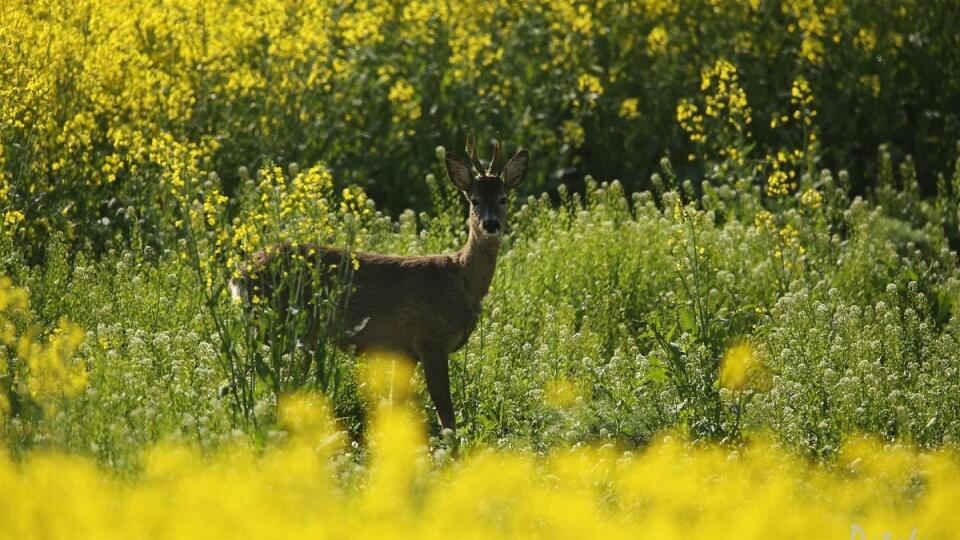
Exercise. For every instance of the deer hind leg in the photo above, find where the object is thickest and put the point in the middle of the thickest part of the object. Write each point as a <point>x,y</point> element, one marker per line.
<point>436,370</point>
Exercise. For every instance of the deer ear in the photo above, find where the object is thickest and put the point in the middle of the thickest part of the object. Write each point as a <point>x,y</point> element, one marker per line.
<point>515,170</point>
<point>459,173</point>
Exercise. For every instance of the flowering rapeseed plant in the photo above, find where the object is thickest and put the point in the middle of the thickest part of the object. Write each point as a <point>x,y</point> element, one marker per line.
<point>99,102</point>
<point>670,490</point>
<point>43,371</point>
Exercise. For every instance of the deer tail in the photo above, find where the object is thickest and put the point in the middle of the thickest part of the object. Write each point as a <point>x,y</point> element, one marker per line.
<point>238,292</point>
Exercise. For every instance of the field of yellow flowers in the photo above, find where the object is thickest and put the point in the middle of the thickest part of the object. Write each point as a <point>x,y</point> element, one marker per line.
<point>302,487</point>
<point>727,304</point>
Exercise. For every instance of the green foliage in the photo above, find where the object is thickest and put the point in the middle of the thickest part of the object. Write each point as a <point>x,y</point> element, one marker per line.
<point>101,101</point>
<point>609,318</point>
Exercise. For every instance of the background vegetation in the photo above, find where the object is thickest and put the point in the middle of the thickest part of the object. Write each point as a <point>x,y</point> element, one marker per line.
<point>96,96</point>
<point>740,227</point>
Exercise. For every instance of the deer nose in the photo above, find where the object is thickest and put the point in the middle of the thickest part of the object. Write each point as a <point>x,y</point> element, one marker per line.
<point>491,225</point>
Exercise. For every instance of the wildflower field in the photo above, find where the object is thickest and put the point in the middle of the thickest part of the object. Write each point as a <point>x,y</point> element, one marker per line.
<point>727,304</point>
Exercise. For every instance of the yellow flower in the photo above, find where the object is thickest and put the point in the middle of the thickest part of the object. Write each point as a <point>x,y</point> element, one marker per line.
<point>812,49</point>
<point>811,198</point>
<point>790,236</point>
<point>866,39</point>
<point>400,92</point>
<point>12,218</point>
<point>764,220</point>
<point>386,377</point>
<point>778,183</point>
<point>685,110</point>
<point>737,366</point>
<point>589,83</point>
<point>628,109</point>
<point>560,393</point>
<point>361,26</point>
<point>403,97</point>
<point>657,40</point>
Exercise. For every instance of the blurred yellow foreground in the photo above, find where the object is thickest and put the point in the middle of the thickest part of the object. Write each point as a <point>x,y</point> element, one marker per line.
<point>670,490</point>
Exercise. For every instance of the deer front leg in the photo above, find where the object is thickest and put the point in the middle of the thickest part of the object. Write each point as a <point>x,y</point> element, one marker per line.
<point>436,370</point>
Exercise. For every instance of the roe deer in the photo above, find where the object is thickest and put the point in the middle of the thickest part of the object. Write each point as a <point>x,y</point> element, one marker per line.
<point>424,307</point>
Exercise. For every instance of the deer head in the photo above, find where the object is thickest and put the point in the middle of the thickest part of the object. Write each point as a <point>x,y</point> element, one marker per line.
<point>485,188</point>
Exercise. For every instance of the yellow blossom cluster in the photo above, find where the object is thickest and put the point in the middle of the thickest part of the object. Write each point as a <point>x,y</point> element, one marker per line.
<point>813,23</point>
<point>866,39</point>
<point>362,26</point>
<point>100,101</point>
<point>720,123</point>
<point>728,99</point>
<point>43,370</point>
<point>473,50</point>
<point>812,198</point>
<point>588,83</point>
<point>670,490</point>
<point>790,239</point>
<point>784,164</point>
<point>690,120</point>
<point>354,202</point>
<point>52,373</point>
<point>780,182</point>
<point>657,40</point>
<point>102,91</point>
<point>802,101</point>
<point>295,207</point>
<point>739,366</point>
<point>764,220</point>
<point>785,244</point>
<point>292,206</point>
<point>403,97</point>
<point>629,109</point>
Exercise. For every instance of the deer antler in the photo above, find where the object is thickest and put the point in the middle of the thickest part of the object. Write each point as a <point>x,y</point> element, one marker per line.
<point>472,154</point>
<point>493,160</point>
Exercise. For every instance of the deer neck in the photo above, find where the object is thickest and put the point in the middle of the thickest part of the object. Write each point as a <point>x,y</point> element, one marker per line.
<point>479,260</point>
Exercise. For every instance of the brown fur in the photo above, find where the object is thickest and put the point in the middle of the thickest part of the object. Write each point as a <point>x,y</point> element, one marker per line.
<point>436,296</point>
